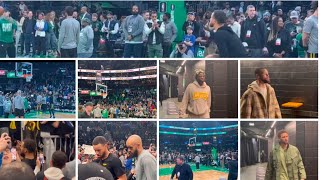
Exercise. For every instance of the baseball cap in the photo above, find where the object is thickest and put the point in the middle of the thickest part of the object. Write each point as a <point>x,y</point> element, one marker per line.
<point>93,171</point>
<point>191,13</point>
<point>294,14</point>
<point>86,20</point>
<point>266,14</point>
<point>88,104</point>
<point>189,27</point>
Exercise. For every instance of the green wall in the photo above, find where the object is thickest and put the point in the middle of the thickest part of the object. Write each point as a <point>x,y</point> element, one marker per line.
<point>178,15</point>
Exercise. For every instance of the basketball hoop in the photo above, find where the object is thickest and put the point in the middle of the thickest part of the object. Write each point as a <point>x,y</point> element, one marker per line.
<point>28,77</point>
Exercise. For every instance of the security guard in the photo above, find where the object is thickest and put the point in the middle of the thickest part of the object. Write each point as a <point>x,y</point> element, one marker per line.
<point>285,162</point>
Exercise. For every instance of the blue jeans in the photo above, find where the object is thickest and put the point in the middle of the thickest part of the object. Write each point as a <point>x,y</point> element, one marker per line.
<point>51,41</point>
<point>134,50</point>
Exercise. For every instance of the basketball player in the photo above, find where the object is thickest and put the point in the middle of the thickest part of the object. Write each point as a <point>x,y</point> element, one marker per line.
<point>107,159</point>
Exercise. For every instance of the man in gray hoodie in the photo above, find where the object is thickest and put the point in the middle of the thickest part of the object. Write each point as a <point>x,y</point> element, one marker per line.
<point>133,27</point>
<point>85,47</point>
<point>69,35</point>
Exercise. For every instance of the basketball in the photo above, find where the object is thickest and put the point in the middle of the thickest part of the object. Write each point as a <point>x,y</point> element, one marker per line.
<point>1,10</point>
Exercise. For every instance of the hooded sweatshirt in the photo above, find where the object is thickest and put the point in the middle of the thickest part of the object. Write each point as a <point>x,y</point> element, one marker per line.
<point>228,42</point>
<point>255,105</point>
<point>51,173</point>
<point>196,99</point>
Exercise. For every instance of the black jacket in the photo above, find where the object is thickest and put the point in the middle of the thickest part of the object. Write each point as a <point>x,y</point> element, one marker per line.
<point>257,39</point>
<point>233,169</point>
<point>229,44</point>
<point>184,171</point>
<point>285,44</point>
<point>25,25</point>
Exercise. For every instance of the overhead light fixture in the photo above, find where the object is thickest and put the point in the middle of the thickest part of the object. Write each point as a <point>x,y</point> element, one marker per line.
<point>162,61</point>
<point>274,123</point>
<point>251,124</point>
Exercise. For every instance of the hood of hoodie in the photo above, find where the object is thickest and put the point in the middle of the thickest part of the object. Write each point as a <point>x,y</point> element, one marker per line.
<point>226,28</point>
<point>204,85</point>
<point>53,173</point>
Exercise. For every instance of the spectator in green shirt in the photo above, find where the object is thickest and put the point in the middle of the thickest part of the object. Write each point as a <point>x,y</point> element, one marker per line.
<point>8,27</point>
<point>105,113</point>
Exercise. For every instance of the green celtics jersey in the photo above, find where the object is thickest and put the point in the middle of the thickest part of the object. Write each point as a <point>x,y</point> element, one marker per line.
<point>7,27</point>
<point>105,114</point>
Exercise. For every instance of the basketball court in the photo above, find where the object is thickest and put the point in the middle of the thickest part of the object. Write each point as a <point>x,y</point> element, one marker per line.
<point>41,115</point>
<point>205,172</point>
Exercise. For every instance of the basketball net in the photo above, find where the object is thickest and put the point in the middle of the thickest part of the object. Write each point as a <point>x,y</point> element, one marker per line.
<point>28,77</point>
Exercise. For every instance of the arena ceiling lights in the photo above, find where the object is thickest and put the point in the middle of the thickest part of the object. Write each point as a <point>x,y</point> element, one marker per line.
<point>118,71</point>
<point>192,134</point>
<point>199,129</point>
<point>119,78</point>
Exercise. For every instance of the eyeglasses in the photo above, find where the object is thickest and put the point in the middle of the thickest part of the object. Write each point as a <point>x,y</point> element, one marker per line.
<point>154,16</point>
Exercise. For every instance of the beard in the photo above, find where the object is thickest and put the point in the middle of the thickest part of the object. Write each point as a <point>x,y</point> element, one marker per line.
<point>283,142</point>
<point>103,155</point>
<point>200,82</point>
<point>134,13</point>
<point>265,81</point>
<point>134,154</point>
